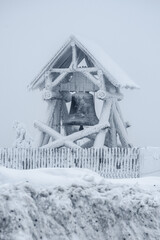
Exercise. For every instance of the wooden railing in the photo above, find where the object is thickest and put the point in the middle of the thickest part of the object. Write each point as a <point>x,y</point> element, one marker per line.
<point>108,162</point>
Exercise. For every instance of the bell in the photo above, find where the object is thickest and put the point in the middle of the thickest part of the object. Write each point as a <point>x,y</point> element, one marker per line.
<point>82,111</point>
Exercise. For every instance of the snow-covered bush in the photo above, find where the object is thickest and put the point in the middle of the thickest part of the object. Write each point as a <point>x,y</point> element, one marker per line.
<point>23,139</point>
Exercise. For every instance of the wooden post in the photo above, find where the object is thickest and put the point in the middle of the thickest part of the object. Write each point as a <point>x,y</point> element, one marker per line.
<point>121,130</point>
<point>43,137</point>
<point>74,55</point>
<point>53,119</point>
<point>57,116</point>
<point>119,112</point>
<point>104,118</point>
<point>113,132</point>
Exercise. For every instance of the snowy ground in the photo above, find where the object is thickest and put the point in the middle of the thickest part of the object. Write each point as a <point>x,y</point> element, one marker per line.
<point>76,204</point>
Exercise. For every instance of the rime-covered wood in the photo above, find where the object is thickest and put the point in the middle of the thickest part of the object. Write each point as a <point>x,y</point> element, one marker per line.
<point>104,95</point>
<point>104,117</point>
<point>108,162</point>
<point>48,80</point>
<point>113,131</point>
<point>49,94</point>
<point>74,55</point>
<point>119,112</point>
<point>53,116</point>
<point>58,79</point>
<point>75,136</point>
<point>74,69</point>
<point>123,136</point>
<point>54,134</point>
<point>57,116</point>
<point>42,136</point>
<point>92,78</point>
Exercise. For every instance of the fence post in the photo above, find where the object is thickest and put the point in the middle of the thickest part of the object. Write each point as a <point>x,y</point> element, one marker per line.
<point>108,162</point>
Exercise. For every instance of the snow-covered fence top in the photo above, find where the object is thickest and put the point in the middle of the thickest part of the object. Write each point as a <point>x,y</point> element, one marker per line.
<point>108,162</point>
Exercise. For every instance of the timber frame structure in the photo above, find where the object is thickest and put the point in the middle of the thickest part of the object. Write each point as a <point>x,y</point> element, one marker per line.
<point>82,67</point>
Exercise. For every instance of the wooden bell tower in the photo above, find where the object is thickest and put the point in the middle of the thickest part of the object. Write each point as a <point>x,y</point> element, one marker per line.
<point>82,67</point>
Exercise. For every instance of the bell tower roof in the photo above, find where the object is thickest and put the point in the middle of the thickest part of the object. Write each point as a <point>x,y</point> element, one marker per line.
<point>78,54</point>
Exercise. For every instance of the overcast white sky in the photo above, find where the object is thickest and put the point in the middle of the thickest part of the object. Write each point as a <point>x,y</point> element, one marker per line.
<point>128,30</point>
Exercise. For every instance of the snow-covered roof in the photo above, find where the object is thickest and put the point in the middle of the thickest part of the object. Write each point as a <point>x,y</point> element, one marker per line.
<point>97,55</point>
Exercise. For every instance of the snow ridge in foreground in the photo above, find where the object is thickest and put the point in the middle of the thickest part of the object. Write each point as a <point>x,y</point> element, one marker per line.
<point>78,212</point>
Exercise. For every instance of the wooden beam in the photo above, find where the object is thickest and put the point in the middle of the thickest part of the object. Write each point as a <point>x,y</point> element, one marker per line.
<point>92,78</point>
<point>121,130</point>
<point>36,83</point>
<point>74,55</point>
<point>77,69</point>
<point>75,136</point>
<point>48,94</point>
<point>86,69</point>
<point>119,112</point>
<point>61,70</point>
<point>113,132</point>
<point>43,138</point>
<point>59,79</point>
<point>52,133</point>
<point>104,95</point>
<point>48,80</point>
<point>104,117</point>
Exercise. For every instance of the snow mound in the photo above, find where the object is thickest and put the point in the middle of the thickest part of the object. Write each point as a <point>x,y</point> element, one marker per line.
<point>91,208</point>
<point>49,176</point>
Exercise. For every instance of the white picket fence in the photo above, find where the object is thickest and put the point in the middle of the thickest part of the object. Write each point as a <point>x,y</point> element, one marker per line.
<point>109,162</point>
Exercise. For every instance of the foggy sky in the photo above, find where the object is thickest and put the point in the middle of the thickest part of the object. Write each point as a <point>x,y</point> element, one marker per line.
<point>31,32</point>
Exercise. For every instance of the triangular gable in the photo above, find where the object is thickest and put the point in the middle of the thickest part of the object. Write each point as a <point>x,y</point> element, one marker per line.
<point>94,56</point>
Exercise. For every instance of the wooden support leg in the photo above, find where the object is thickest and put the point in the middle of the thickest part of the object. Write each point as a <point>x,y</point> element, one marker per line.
<point>54,120</point>
<point>105,114</point>
<point>104,118</point>
<point>57,116</point>
<point>113,132</point>
<point>43,138</point>
<point>121,130</point>
<point>119,111</point>
<point>54,116</point>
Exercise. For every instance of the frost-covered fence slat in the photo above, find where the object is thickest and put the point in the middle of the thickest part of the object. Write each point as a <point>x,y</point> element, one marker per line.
<point>108,162</point>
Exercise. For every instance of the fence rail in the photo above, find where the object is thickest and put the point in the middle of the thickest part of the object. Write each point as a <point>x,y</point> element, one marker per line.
<point>108,162</point>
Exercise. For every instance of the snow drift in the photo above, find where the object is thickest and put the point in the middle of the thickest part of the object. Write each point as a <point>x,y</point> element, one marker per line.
<point>63,204</point>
